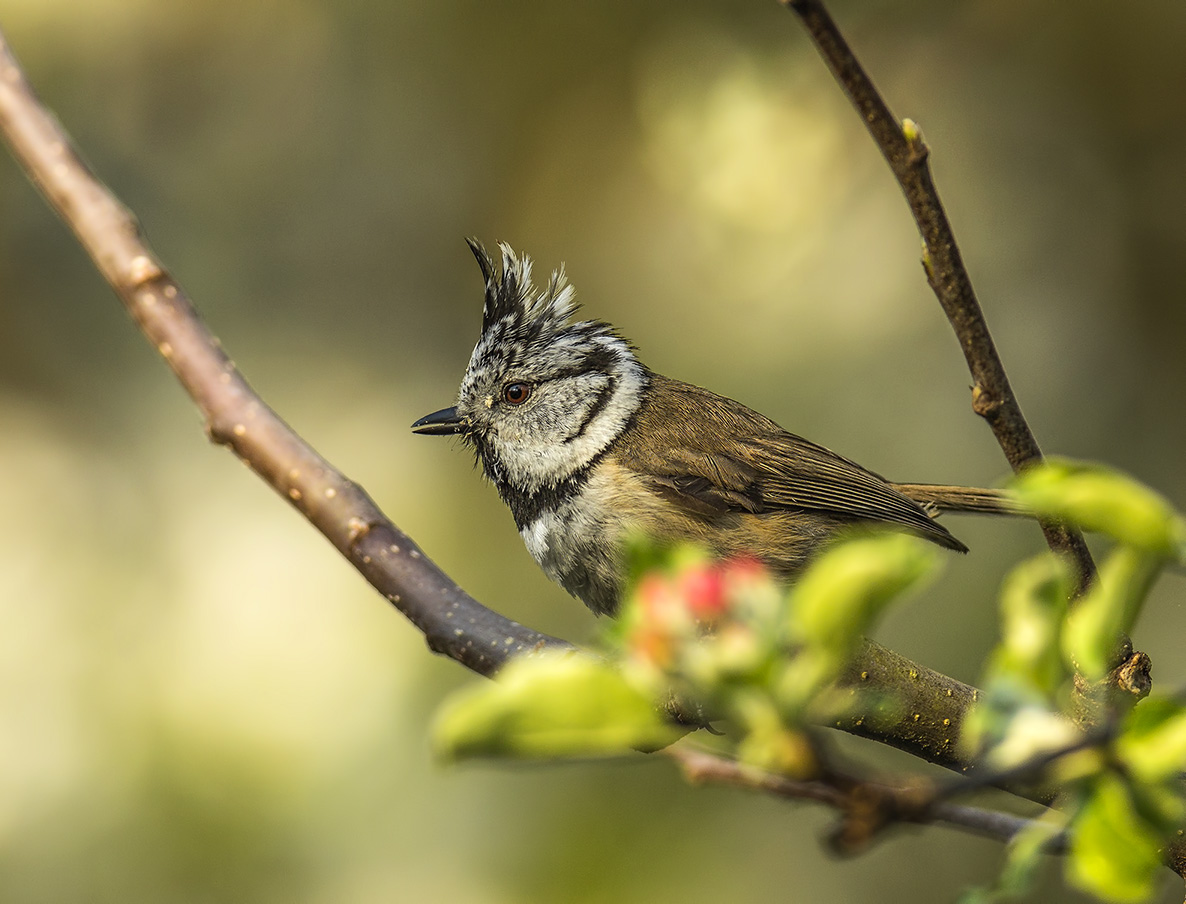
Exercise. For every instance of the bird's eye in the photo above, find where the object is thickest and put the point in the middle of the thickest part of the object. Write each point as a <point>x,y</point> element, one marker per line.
<point>516,393</point>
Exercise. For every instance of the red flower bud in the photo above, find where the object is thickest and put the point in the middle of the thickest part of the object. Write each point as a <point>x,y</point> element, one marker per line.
<point>702,589</point>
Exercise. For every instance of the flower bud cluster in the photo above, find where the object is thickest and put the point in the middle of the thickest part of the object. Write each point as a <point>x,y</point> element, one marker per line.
<point>703,626</point>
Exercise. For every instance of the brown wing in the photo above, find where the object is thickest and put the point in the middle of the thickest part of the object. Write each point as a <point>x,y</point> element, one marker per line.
<point>749,464</point>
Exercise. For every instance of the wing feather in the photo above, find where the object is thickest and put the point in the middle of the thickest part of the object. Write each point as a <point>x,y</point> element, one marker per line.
<point>751,465</point>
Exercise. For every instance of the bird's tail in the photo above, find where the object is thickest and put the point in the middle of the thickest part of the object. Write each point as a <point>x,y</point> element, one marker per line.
<point>939,499</point>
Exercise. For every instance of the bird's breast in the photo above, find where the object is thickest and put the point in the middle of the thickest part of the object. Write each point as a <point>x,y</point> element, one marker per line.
<point>577,540</point>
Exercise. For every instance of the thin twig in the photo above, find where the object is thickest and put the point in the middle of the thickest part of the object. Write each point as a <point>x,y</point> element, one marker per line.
<point>902,146</point>
<point>1028,774</point>
<point>866,808</point>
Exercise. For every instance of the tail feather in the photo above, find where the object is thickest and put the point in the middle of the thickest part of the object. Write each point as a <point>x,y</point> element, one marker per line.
<point>938,499</point>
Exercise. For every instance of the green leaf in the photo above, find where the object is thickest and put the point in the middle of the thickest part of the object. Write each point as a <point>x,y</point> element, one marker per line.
<point>1032,733</point>
<point>1108,610</point>
<point>1025,853</point>
<point>843,592</point>
<point>1153,744</point>
<point>768,743</point>
<point>1033,605</point>
<point>1099,499</point>
<point>1114,853</point>
<point>987,722</point>
<point>835,604</point>
<point>1022,859</point>
<point>547,706</point>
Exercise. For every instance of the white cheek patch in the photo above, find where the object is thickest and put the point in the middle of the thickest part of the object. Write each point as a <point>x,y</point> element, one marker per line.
<point>526,336</point>
<point>547,460</point>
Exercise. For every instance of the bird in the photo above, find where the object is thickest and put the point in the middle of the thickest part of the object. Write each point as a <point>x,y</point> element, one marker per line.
<point>587,446</point>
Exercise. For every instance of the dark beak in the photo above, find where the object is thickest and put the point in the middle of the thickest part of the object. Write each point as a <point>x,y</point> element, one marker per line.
<point>440,423</point>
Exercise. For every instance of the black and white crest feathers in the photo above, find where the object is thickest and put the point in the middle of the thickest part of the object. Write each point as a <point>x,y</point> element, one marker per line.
<point>512,302</point>
<point>529,329</point>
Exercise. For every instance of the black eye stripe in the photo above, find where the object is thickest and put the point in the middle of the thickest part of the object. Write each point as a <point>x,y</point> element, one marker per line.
<point>581,370</point>
<point>603,399</point>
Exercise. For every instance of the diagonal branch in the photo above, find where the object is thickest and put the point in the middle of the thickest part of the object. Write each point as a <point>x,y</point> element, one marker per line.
<point>902,146</point>
<point>906,153</point>
<point>453,622</point>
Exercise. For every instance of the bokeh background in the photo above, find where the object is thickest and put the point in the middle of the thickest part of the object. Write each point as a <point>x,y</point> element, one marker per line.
<point>199,701</point>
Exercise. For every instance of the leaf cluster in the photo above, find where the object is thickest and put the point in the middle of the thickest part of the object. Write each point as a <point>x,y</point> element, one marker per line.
<point>761,659</point>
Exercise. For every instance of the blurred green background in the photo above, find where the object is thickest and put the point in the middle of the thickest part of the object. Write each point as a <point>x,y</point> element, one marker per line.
<point>200,701</point>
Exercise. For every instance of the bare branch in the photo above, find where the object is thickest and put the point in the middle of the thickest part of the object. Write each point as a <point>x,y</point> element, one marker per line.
<point>902,146</point>
<point>866,808</point>
<point>453,622</point>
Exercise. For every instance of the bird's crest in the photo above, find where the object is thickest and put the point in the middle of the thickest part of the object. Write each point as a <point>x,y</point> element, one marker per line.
<point>523,325</point>
<point>513,302</point>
